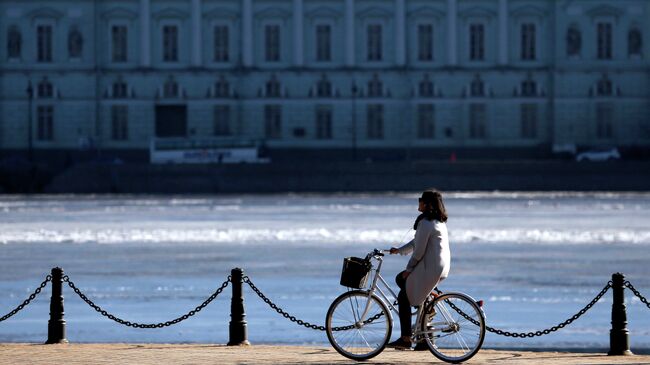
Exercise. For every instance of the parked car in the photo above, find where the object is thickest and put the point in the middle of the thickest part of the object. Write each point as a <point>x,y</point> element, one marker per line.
<point>599,154</point>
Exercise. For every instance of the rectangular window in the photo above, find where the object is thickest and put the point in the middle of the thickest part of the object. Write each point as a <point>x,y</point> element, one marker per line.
<point>45,120</point>
<point>425,42</point>
<point>170,43</point>
<point>323,43</point>
<point>374,39</point>
<point>44,43</point>
<point>604,118</point>
<point>528,41</point>
<point>222,120</point>
<point>426,126</point>
<point>324,122</point>
<point>221,43</point>
<point>273,121</point>
<point>477,121</point>
<point>119,122</point>
<point>528,121</point>
<point>375,118</point>
<point>477,42</point>
<point>604,41</point>
<point>119,43</point>
<point>272,43</point>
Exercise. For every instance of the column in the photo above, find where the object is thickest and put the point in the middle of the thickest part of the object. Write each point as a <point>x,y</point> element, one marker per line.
<point>349,33</point>
<point>452,29</point>
<point>503,32</point>
<point>400,39</point>
<point>298,33</point>
<point>197,39</point>
<point>145,33</point>
<point>247,33</point>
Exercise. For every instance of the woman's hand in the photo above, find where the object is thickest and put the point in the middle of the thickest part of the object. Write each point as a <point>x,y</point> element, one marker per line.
<point>394,250</point>
<point>405,274</point>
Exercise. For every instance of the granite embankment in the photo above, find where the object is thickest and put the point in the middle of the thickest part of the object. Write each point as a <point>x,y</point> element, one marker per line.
<point>362,176</point>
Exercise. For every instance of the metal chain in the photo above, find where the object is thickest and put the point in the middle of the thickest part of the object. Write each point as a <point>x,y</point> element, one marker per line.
<point>146,325</point>
<point>637,293</point>
<point>28,300</point>
<point>545,331</point>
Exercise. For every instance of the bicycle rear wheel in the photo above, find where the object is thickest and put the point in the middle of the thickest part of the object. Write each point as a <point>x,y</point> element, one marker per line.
<point>453,327</point>
<point>352,336</point>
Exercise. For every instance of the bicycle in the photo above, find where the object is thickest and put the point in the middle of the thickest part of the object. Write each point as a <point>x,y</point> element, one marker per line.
<point>359,322</point>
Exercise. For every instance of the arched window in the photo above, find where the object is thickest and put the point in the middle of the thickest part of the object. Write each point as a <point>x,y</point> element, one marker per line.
<point>634,42</point>
<point>45,89</point>
<point>573,41</point>
<point>75,43</point>
<point>425,88</point>
<point>14,42</point>
<point>273,87</point>
<point>375,87</point>
<point>324,87</point>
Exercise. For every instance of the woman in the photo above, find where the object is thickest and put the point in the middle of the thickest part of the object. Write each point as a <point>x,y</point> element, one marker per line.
<point>429,263</point>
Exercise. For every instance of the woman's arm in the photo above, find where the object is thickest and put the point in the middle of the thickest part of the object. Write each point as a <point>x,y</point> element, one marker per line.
<point>406,248</point>
<point>420,243</point>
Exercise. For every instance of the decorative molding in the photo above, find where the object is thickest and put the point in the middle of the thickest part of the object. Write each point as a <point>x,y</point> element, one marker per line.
<point>604,10</point>
<point>375,12</point>
<point>323,12</point>
<point>45,13</point>
<point>221,13</point>
<point>477,12</point>
<point>529,10</point>
<point>120,13</point>
<point>273,12</point>
<point>167,13</point>
<point>426,12</point>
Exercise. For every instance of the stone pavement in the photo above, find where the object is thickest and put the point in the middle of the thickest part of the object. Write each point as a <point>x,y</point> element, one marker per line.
<point>177,354</point>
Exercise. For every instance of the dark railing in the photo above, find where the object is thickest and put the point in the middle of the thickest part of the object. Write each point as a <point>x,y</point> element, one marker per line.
<point>238,333</point>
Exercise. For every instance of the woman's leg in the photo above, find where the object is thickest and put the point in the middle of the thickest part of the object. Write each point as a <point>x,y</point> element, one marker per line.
<point>404,307</point>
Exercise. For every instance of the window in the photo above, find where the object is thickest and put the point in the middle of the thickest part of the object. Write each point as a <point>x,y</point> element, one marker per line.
<point>477,121</point>
<point>221,43</point>
<point>323,43</point>
<point>323,88</point>
<point>273,87</point>
<point>528,114</point>
<point>425,88</point>
<point>604,41</point>
<point>573,42</point>
<point>119,43</point>
<point>170,89</point>
<point>44,43</point>
<point>477,88</point>
<point>75,43</point>
<point>425,42</point>
<point>426,126</point>
<point>323,122</point>
<point>634,42</point>
<point>375,118</point>
<point>120,90</point>
<point>374,42</point>
<point>604,117</point>
<point>604,87</point>
<point>119,122</point>
<point>45,120</point>
<point>273,121</point>
<point>170,43</point>
<point>222,120</point>
<point>14,42</point>
<point>221,88</point>
<point>528,46</point>
<point>45,89</point>
<point>272,43</point>
<point>375,87</point>
<point>528,88</point>
<point>476,42</point>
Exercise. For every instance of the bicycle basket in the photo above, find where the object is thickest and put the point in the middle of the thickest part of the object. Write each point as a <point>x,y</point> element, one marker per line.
<point>355,272</point>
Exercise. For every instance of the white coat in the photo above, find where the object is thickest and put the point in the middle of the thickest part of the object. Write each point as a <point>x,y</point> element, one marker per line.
<point>430,259</point>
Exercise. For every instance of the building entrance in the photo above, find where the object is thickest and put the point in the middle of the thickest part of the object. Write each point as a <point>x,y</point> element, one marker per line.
<point>171,121</point>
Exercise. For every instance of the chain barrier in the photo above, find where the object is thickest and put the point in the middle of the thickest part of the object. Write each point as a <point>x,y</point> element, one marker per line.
<point>637,293</point>
<point>146,325</point>
<point>28,300</point>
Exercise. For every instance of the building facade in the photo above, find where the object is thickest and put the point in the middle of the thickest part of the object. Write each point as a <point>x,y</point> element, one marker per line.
<point>325,74</point>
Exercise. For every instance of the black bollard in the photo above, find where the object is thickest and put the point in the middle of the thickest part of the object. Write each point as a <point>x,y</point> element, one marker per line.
<point>238,331</point>
<point>619,341</point>
<point>56,324</point>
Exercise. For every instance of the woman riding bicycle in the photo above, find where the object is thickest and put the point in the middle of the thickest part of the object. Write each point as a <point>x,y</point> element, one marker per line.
<point>429,263</point>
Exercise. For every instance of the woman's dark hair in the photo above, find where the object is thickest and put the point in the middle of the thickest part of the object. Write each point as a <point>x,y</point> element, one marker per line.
<point>434,207</point>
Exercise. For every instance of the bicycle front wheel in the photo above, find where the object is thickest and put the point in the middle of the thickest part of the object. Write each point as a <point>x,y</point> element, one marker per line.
<point>351,335</point>
<point>453,327</point>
